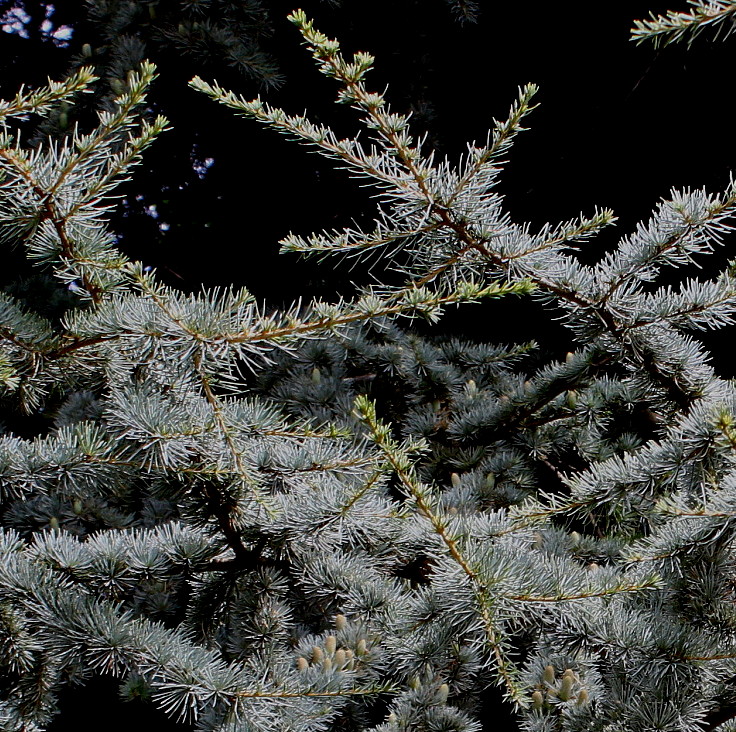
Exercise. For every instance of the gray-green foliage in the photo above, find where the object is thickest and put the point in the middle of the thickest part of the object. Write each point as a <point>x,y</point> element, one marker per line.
<point>315,520</point>
<point>674,25</point>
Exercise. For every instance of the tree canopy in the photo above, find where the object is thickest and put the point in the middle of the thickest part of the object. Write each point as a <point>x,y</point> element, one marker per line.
<point>482,468</point>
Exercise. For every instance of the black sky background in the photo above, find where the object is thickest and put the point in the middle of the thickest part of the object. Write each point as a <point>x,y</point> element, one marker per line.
<point>618,127</point>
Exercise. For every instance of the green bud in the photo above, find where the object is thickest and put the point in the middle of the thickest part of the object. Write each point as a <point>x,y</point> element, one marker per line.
<point>442,694</point>
<point>490,481</point>
<point>565,691</point>
<point>330,644</point>
<point>316,376</point>
<point>472,388</point>
<point>537,699</point>
<point>414,683</point>
<point>455,479</point>
<point>583,697</point>
<point>571,399</point>
<point>575,538</point>
<point>86,50</point>
<point>317,654</point>
<point>327,664</point>
<point>340,658</point>
<point>340,621</point>
<point>549,674</point>
<point>361,649</point>
<point>54,523</point>
<point>77,506</point>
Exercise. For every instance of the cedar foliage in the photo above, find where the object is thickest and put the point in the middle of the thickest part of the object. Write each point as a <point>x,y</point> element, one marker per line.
<point>319,519</point>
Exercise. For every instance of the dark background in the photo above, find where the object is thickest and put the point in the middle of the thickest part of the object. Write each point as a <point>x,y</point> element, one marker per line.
<point>618,126</point>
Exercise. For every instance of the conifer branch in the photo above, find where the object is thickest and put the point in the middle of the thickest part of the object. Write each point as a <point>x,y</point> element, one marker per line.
<point>674,25</point>
<point>411,175</point>
<point>373,691</point>
<point>243,473</point>
<point>39,101</point>
<point>401,465</point>
<point>50,213</point>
